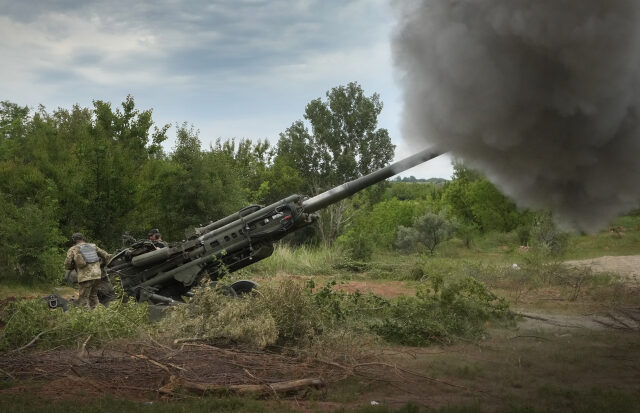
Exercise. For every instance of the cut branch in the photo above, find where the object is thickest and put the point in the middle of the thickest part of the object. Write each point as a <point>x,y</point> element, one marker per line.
<point>243,389</point>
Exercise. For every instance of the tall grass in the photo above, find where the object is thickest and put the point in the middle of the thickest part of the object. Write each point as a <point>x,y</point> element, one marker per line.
<point>301,260</point>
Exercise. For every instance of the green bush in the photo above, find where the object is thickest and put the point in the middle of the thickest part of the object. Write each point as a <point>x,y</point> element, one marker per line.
<point>442,314</point>
<point>427,232</point>
<point>290,314</point>
<point>381,223</point>
<point>358,246</point>
<point>546,236</point>
<point>26,319</point>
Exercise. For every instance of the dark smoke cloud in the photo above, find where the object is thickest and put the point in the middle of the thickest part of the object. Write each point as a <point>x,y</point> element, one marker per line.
<point>541,95</point>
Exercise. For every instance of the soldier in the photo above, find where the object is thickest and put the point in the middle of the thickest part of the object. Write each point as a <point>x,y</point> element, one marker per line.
<point>156,238</point>
<point>85,259</point>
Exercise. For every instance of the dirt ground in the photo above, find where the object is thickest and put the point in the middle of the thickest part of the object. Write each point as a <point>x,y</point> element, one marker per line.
<point>627,267</point>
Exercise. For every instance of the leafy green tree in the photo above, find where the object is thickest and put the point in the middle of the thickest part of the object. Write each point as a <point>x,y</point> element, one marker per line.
<point>191,187</point>
<point>29,234</point>
<point>475,201</point>
<point>344,142</point>
<point>119,144</point>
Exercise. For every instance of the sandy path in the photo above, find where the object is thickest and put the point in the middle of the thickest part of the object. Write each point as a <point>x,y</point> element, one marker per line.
<point>628,267</point>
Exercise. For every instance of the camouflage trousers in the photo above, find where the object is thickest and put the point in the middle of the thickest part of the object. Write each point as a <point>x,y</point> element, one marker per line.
<point>88,294</point>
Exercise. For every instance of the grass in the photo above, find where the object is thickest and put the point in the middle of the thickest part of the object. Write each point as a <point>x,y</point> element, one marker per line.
<point>624,240</point>
<point>549,399</point>
<point>301,260</point>
<point>26,404</point>
<point>36,290</point>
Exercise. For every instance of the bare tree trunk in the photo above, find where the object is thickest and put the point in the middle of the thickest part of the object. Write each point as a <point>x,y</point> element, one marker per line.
<point>332,221</point>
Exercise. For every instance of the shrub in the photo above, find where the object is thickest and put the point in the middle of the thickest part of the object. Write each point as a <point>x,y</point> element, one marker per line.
<point>547,237</point>
<point>428,231</point>
<point>211,314</point>
<point>358,246</point>
<point>291,314</point>
<point>281,313</point>
<point>442,314</point>
<point>26,319</point>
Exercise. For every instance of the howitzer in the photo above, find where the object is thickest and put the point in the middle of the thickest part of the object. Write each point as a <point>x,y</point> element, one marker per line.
<point>162,275</point>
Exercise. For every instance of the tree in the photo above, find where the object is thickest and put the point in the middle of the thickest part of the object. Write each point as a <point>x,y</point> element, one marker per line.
<point>190,187</point>
<point>428,231</point>
<point>473,200</point>
<point>344,143</point>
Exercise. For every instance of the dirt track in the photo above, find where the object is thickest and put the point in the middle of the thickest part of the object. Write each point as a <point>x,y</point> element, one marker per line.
<point>628,266</point>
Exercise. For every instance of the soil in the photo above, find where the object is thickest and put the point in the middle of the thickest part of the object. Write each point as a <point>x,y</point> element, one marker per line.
<point>387,289</point>
<point>627,267</point>
<point>138,371</point>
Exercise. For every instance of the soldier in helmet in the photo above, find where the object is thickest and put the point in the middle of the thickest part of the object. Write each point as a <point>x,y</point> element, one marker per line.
<point>85,259</point>
<point>156,238</point>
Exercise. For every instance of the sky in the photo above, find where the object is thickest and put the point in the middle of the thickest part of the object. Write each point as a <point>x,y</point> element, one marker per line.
<point>230,68</point>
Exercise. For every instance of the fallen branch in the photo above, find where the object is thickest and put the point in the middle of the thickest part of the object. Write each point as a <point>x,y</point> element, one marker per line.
<point>83,353</point>
<point>152,361</point>
<point>549,321</point>
<point>29,344</point>
<point>188,340</point>
<point>536,337</point>
<point>243,389</point>
<point>7,374</point>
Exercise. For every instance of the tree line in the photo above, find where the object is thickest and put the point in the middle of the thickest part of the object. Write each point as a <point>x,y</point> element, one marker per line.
<point>104,171</point>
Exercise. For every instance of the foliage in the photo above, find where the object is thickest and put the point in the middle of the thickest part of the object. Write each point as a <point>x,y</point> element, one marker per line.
<point>212,314</point>
<point>428,231</point>
<point>281,313</point>
<point>380,223</point>
<point>473,200</point>
<point>29,232</point>
<point>442,314</point>
<point>26,319</point>
<point>344,141</point>
<point>547,237</point>
<point>357,245</point>
<point>343,144</point>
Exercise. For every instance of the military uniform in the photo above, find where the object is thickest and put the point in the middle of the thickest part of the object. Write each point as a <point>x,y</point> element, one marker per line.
<point>85,259</point>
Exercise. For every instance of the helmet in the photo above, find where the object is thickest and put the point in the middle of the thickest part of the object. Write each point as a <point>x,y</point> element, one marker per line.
<point>77,237</point>
<point>154,232</point>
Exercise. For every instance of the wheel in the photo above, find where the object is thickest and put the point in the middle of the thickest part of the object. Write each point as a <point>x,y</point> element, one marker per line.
<point>244,287</point>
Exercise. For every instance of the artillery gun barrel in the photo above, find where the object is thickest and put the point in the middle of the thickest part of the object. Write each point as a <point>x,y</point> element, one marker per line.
<point>345,190</point>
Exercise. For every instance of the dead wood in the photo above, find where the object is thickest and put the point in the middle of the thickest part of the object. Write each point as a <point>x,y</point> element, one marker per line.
<point>282,387</point>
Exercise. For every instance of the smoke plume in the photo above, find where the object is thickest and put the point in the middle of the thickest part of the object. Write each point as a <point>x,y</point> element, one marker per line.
<point>541,95</point>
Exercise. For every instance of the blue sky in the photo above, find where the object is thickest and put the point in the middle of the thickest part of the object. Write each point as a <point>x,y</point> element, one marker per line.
<point>231,68</point>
